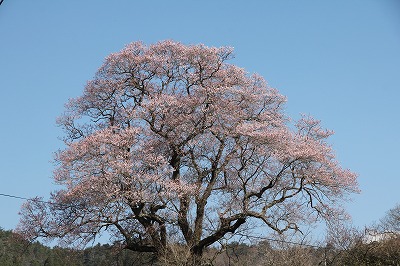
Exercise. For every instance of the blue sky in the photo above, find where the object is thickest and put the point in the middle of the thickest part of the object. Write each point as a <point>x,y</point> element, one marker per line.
<point>338,61</point>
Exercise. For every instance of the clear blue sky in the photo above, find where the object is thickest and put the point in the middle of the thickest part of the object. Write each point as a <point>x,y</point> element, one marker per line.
<point>336,60</point>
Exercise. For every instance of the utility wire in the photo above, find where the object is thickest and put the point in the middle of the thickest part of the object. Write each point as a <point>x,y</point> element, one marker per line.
<point>285,241</point>
<point>13,196</point>
<point>29,199</point>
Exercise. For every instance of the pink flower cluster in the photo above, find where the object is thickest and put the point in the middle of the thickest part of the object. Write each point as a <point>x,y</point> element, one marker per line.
<point>172,136</point>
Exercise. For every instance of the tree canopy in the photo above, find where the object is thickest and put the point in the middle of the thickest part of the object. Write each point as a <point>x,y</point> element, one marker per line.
<point>391,221</point>
<point>171,143</point>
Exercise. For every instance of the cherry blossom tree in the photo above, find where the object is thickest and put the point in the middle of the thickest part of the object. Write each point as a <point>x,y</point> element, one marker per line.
<point>171,143</point>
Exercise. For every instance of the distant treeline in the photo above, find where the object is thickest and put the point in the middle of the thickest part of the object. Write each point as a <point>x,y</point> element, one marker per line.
<point>16,251</point>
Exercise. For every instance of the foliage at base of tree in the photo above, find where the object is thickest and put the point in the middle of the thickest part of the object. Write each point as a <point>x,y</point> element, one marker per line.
<point>15,251</point>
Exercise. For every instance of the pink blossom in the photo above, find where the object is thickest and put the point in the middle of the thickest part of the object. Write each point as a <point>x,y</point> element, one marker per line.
<point>172,137</point>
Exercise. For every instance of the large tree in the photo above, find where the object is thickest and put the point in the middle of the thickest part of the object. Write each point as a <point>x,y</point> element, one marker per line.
<point>391,221</point>
<point>170,143</point>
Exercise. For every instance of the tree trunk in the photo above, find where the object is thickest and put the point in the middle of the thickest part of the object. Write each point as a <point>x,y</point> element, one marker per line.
<point>196,257</point>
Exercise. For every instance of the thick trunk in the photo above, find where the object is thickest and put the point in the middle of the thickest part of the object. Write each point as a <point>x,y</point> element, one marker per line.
<point>195,258</point>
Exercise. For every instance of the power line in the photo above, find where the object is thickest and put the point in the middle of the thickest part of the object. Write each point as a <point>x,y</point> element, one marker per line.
<point>13,196</point>
<point>61,205</point>
<point>285,241</point>
<point>29,199</point>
